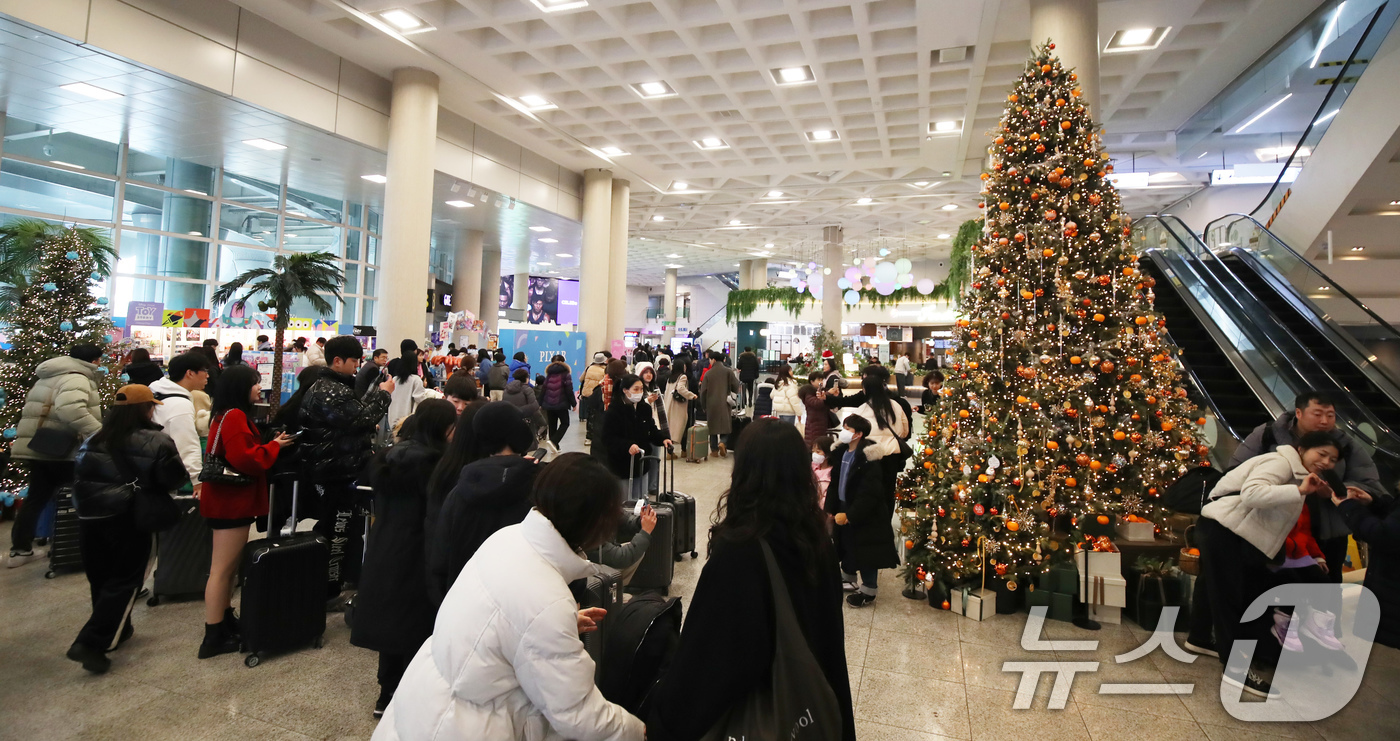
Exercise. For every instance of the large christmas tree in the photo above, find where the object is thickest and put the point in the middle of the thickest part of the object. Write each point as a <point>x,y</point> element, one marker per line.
<point>53,310</point>
<point>1063,406</point>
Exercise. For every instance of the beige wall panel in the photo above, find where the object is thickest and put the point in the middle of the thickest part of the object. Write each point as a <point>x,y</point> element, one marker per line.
<point>570,207</point>
<point>536,193</point>
<point>267,42</point>
<point>66,17</point>
<point>453,160</point>
<point>140,36</point>
<point>216,20</point>
<point>496,147</point>
<point>265,85</point>
<point>363,124</point>
<point>490,174</point>
<point>365,87</point>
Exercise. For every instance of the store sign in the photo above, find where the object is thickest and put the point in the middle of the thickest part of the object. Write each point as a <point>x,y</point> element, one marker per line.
<point>195,317</point>
<point>173,318</point>
<point>144,314</point>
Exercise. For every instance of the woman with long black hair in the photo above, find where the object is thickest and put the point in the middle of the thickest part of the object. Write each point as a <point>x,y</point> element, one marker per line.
<point>727,653</point>
<point>235,356</point>
<point>230,509</point>
<point>393,614</point>
<point>461,450</point>
<point>115,551</point>
<point>408,385</point>
<point>889,426</point>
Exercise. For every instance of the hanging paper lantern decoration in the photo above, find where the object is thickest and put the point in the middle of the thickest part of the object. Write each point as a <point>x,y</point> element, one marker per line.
<point>50,287</point>
<point>842,283</point>
<point>884,252</point>
<point>885,272</point>
<point>101,300</point>
<point>95,275</point>
<point>801,286</point>
<point>852,275</point>
<point>925,286</point>
<point>71,255</point>
<point>868,266</point>
<point>906,280</point>
<point>811,266</point>
<point>10,433</point>
<point>852,298</point>
<point>65,325</point>
<point>826,271</point>
<point>884,289</point>
<point>816,290</point>
<point>903,265</point>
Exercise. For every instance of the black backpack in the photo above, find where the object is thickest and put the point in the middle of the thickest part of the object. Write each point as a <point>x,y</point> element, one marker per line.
<point>642,640</point>
<point>1189,493</point>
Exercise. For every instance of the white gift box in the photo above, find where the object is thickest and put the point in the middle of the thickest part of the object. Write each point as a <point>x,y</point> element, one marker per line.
<point>1098,563</point>
<point>981,603</point>
<point>1106,614</point>
<point>1137,530</point>
<point>1111,591</point>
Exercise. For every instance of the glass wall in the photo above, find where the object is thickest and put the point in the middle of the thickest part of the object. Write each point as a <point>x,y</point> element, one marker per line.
<point>181,229</point>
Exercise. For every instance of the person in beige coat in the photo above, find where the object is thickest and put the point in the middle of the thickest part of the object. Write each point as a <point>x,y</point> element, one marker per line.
<point>715,388</point>
<point>64,401</point>
<point>678,410</point>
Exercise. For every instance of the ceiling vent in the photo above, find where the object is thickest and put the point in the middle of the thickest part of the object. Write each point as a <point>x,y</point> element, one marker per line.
<point>727,114</point>
<point>952,55</point>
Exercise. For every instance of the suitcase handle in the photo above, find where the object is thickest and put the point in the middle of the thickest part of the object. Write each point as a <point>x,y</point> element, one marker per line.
<point>287,529</point>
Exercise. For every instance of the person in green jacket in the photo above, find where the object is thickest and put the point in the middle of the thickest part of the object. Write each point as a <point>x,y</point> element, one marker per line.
<point>64,401</point>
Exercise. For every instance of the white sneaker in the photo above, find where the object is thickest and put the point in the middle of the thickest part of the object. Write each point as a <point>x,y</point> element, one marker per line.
<point>20,558</point>
<point>1319,626</point>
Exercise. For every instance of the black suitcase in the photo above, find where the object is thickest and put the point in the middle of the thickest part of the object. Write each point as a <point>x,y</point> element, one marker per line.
<point>604,590</point>
<point>657,566</point>
<point>183,554</point>
<point>737,424</point>
<point>65,555</point>
<point>684,507</point>
<point>284,590</point>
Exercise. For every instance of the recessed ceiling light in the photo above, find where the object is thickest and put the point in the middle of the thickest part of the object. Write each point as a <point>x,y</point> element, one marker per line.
<point>544,263</point>
<point>1395,203</point>
<point>944,236</point>
<point>613,151</point>
<point>540,229</point>
<point>735,222</point>
<point>536,103</point>
<point>823,135</point>
<point>91,91</point>
<point>793,75</point>
<point>710,143</point>
<point>736,265</point>
<point>656,89</point>
<point>922,183</point>
<point>375,178</point>
<point>548,240</point>
<point>675,266</point>
<point>678,185</point>
<point>945,127</point>
<point>1136,39</point>
<point>1357,249</point>
<point>461,204</point>
<point>1323,288</point>
<point>864,201</point>
<point>264,144</point>
<point>554,6</point>
<point>775,194</point>
<point>658,217</point>
<point>950,206</point>
<point>563,254</point>
<point>290,236</point>
<point>405,22</point>
<point>67,164</point>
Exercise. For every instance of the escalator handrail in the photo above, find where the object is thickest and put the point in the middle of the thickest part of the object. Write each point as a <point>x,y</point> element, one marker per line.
<point>1315,270</point>
<point>1363,410</point>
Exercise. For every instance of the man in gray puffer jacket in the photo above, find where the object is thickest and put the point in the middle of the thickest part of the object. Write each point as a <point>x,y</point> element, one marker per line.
<point>65,400</point>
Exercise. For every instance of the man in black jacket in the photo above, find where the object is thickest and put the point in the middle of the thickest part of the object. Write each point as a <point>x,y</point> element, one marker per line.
<point>748,367</point>
<point>339,436</point>
<point>372,372</point>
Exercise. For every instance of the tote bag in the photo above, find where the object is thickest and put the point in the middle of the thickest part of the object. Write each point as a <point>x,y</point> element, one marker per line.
<point>799,705</point>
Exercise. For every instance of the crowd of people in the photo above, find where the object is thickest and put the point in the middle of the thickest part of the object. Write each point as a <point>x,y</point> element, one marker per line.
<point>480,521</point>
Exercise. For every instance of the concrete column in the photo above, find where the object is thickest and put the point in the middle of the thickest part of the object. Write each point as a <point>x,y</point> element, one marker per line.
<point>1074,27</point>
<point>466,273</point>
<point>745,275</point>
<point>758,275</point>
<point>668,306</point>
<point>593,262</point>
<point>408,205</point>
<point>617,259</point>
<point>522,288</point>
<point>831,293</point>
<point>490,290</point>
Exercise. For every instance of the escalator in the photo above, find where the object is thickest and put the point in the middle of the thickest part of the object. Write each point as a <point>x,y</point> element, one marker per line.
<point>1220,384</point>
<point>1243,265</point>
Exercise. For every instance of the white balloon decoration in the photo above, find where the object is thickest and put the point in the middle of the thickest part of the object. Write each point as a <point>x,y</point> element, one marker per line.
<point>885,272</point>
<point>903,265</point>
<point>852,298</point>
<point>842,283</point>
<point>926,286</point>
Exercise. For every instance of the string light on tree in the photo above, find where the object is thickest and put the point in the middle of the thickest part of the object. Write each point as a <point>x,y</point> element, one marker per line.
<point>1063,401</point>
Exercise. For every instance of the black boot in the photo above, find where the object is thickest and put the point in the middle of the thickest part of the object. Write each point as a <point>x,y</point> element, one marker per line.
<point>217,640</point>
<point>92,659</point>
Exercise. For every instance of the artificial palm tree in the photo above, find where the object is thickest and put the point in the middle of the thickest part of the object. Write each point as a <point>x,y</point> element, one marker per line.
<point>292,276</point>
<point>21,250</point>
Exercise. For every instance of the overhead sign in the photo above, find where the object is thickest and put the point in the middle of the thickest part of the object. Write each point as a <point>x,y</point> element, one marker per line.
<point>145,314</point>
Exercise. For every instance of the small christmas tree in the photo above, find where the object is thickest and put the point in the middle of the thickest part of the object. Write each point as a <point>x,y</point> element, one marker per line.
<point>1063,402</point>
<point>54,310</point>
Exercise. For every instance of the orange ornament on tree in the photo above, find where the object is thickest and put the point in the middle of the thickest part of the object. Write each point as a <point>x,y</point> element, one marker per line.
<point>1103,519</point>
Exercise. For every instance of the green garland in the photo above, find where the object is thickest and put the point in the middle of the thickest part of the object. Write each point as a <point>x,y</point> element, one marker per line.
<point>742,304</point>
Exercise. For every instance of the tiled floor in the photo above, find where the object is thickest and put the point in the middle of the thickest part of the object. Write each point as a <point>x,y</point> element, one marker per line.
<point>916,673</point>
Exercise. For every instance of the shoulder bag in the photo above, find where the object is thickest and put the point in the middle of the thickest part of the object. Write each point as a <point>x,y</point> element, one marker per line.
<point>799,704</point>
<point>216,468</point>
<point>153,511</point>
<point>53,442</point>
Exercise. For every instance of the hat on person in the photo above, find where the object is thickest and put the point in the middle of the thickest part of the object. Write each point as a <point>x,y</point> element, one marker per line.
<point>499,424</point>
<point>599,357</point>
<point>828,355</point>
<point>135,393</point>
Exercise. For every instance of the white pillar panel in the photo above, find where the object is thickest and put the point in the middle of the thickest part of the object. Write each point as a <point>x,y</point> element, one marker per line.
<point>668,306</point>
<point>408,205</point>
<point>617,259</point>
<point>490,289</point>
<point>745,275</point>
<point>1073,25</point>
<point>758,275</point>
<point>831,293</point>
<point>593,263</point>
<point>466,272</point>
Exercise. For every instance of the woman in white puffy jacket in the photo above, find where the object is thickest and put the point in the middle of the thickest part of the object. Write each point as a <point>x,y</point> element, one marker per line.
<point>505,660</point>
<point>787,405</point>
<point>1250,513</point>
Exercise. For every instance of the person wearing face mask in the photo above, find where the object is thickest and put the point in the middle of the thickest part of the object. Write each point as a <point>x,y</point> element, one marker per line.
<point>1252,514</point>
<point>861,509</point>
<point>629,430</point>
<point>821,466</point>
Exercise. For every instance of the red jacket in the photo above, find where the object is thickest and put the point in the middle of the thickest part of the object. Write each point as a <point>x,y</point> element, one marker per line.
<point>238,442</point>
<point>1300,541</point>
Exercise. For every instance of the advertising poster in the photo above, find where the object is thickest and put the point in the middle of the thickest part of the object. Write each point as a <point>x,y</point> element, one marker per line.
<point>145,314</point>
<point>539,345</point>
<point>550,300</point>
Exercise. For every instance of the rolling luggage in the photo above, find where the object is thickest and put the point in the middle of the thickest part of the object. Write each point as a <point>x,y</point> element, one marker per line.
<point>64,553</point>
<point>657,566</point>
<point>183,554</point>
<point>603,589</point>
<point>284,590</point>
<point>684,507</point>
<point>737,424</point>
<point>697,442</point>
<point>367,495</point>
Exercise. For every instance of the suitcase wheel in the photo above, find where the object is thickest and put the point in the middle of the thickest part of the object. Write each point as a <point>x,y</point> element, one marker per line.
<point>153,601</point>
<point>252,660</point>
<point>319,642</point>
<point>694,554</point>
<point>50,574</point>
<point>678,556</point>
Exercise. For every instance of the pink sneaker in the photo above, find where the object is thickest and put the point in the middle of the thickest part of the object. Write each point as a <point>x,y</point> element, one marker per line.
<point>1318,626</point>
<point>1286,631</point>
